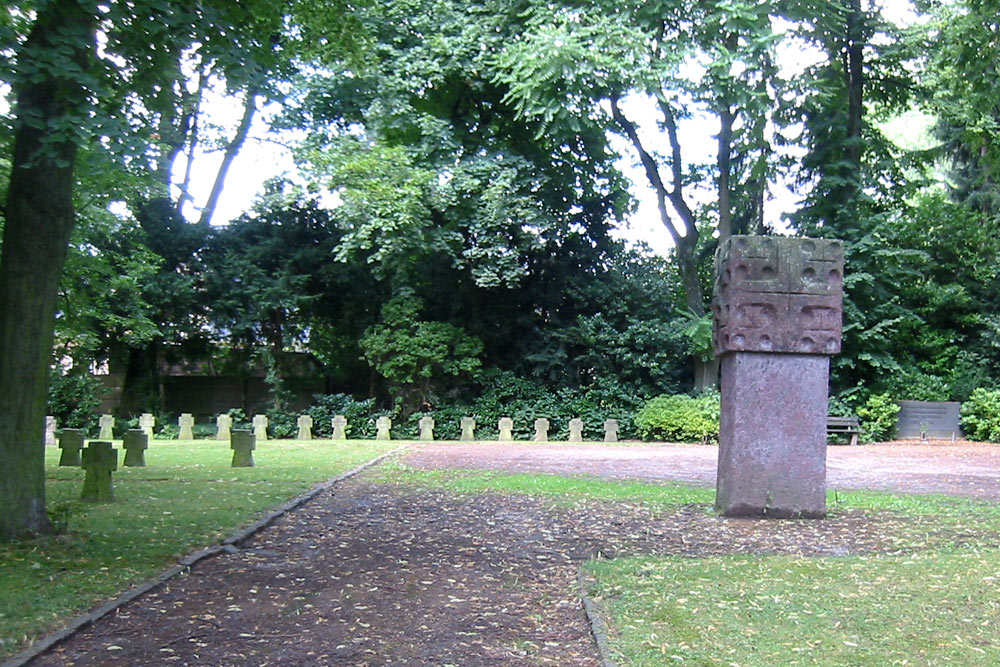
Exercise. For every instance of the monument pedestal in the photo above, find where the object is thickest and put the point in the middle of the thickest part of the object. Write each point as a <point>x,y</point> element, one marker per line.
<point>772,437</point>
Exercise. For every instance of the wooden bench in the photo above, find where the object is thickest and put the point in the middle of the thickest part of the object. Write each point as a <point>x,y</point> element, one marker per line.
<point>849,426</point>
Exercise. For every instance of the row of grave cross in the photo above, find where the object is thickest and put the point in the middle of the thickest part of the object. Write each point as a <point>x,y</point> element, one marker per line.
<point>99,458</point>
<point>383,428</point>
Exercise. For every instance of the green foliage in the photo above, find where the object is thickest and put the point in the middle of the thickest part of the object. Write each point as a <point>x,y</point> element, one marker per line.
<point>680,418</point>
<point>980,418</point>
<point>417,355</point>
<point>74,398</point>
<point>878,417</point>
<point>327,406</point>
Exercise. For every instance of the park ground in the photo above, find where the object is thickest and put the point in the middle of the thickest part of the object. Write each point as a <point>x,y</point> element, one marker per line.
<point>476,554</point>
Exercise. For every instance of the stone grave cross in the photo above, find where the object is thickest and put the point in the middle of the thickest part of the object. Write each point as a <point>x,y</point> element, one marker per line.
<point>260,427</point>
<point>305,423</point>
<point>541,430</point>
<point>340,427</point>
<point>135,444</point>
<point>468,425</point>
<point>100,459</point>
<point>107,424</point>
<point>506,428</point>
<point>186,423</point>
<point>611,430</point>
<point>70,442</point>
<point>383,428</point>
<point>223,427</point>
<point>576,430</point>
<point>426,428</point>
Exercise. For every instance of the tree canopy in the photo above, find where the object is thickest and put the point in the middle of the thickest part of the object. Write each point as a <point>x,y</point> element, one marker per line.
<point>452,231</point>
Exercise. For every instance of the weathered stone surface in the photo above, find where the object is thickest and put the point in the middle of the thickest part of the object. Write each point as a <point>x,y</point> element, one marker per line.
<point>135,444</point>
<point>772,440</point>
<point>575,430</point>
<point>506,428</point>
<point>542,429</point>
<point>611,430</point>
<point>426,425</point>
<point>146,422</point>
<point>305,424</point>
<point>243,443</point>
<point>383,428</point>
<point>468,425</point>
<point>70,442</point>
<point>776,294</point>
<point>223,427</point>
<point>340,427</point>
<point>99,460</point>
<point>186,424</point>
<point>260,427</point>
<point>50,431</point>
<point>107,424</point>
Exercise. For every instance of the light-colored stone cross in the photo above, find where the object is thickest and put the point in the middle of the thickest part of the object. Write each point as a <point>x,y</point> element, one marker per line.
<point>186,423</point>
<point>340,427</point>
<point>383,426</point>
<point>541,429</point>
<point>107,424</point>
<point>576,430</point>
<point>305,423</point>
<point>506,428</point>
<point>468,425</point>
<point>146,422</point>
<point>426,428</point>
<point>186,426</point>
<point>611,430</point>
<point>50,430</point>
<point>260,427</point>
<point>223,427</point>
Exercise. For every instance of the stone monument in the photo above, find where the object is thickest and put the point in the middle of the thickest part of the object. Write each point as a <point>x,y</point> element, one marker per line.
<point>260,427</point>
<point>340,427</point>
<point>223,427</point>
<point>541,430</point>
<point>777,319</point>
<point>383,428</point>
<point>135,443</point>
<point>107,424</point>
<point>242,443</point>
<point>426,425</point>
<point>575,430</point>
<point>305,424</point>
<point>100,459</point>
<point>506,428</point>
<point>50,430</point>
<point>146,422</point>
<point>70,442</point>
<point>468,425</point>
<point>611,430</point>
<point>186,424</point>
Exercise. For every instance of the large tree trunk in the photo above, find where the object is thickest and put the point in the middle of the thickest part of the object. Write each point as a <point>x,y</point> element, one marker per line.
<point>36,236</point>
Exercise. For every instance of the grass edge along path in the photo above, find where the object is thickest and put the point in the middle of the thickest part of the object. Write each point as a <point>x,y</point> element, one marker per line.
<point>188,497</point>
<point>932,606</point>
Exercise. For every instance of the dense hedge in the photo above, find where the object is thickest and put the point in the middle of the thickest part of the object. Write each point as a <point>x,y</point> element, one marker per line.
<point>680,418</point>
<point>980,417</point>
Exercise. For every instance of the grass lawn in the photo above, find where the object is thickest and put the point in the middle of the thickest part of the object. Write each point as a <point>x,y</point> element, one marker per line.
<point>187,497</point>
<point>934,601</point>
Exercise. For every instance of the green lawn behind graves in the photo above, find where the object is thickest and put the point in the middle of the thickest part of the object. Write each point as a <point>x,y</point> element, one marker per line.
<point>186,498</point>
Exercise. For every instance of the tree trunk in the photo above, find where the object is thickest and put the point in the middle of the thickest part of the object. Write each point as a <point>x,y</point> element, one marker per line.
<point>39,219</point>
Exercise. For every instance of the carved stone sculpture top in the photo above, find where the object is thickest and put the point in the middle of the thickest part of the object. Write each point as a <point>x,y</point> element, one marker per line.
<point>777,294</point>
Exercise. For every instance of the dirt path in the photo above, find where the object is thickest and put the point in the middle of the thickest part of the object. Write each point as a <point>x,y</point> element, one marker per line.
<point>963,469</point>
<point>376,573</point>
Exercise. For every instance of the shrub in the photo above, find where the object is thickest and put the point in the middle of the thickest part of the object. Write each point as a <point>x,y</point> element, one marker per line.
<point>74,399</point>
<point>980,417</point>
<point>878,418</point>
<point>680,418</point>
<point>327,406</point>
